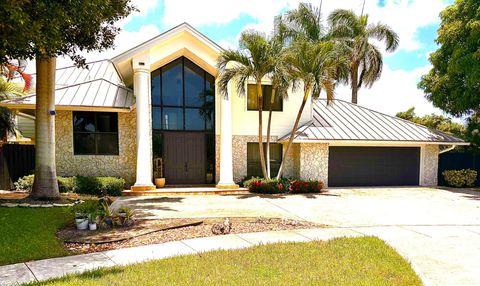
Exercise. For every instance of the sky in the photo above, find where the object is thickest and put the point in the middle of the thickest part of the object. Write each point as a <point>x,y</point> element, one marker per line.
<point>416,22</point>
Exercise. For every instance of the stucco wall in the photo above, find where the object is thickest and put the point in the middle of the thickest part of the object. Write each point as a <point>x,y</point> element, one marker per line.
<point>429,165</point>
<point>122,165</point>
<point>314,162</point>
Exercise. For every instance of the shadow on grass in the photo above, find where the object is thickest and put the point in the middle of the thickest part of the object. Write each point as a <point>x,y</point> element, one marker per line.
<point>89,275</point>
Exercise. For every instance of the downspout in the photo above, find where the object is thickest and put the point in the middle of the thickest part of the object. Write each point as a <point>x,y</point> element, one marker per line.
<point>448,149</point>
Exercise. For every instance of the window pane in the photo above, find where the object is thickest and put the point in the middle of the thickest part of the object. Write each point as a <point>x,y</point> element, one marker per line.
<point>156,118</point>
<point>156,87</point>
<point>172,119</point>
<point>267,95</point>
<point>210,88</point>
<point>251,97</point>
<point>172,83</point>
<point>194,84</point>
<point>84,121</point>
<point>194,119</point>
<point>253,159</point>
<point>107,144</point>
<point>107,122</point>
<point>83,144</point>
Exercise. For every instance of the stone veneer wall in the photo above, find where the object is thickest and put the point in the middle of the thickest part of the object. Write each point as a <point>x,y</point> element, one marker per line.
<point>429,165</point>
<point>122,165</point>
<point>314,162</point>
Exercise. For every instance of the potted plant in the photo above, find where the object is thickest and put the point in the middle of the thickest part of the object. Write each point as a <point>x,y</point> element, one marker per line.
<point>81,216</point>
<point>125,216</point>
<point>158,173</point>
<point>92,218</point>
<point>106,214</point>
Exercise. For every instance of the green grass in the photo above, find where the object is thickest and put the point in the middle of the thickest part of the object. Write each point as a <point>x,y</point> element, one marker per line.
<point>29,233</point>
<point>343,261</point>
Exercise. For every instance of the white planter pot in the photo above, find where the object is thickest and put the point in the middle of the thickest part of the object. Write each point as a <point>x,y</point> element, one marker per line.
<point>92,226</point>
<point>82,223</point>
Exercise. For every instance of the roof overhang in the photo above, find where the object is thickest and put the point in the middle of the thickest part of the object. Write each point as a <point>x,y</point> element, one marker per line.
<point>374,142</point>
<point>182,40</point>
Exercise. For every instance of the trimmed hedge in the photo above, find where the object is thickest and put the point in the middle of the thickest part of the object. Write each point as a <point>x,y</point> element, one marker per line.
<point>460,178</point>
<point>274,186</point>
<point>99,186</point>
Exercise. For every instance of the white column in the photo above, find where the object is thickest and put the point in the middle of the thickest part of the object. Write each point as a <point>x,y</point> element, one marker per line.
<point>226,158</point>
<point>141,90</point>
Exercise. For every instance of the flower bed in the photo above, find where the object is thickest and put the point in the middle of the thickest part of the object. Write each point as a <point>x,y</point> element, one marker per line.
<point>282,186</point>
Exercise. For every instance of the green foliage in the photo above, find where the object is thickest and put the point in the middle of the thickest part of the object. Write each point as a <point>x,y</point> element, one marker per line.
<point>99,186</point>
<point>283,185</point>
<point>58,28</point>
<point>303,187</point>
<point>453,82</point>
<point>460,178</point>
<point>434,121</point>
<point>472,133</point>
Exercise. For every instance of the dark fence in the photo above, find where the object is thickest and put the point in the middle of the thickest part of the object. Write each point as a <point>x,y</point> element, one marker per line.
<point>15,161</point>
<point>458,161</point>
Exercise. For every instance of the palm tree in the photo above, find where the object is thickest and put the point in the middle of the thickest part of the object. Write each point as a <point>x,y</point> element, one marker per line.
<point>315,65</point>
<point>365,58</point>
<point>7,124</point>
<point>253,60</point>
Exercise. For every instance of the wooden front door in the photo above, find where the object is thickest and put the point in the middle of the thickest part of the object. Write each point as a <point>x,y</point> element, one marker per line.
<point>185,155</point>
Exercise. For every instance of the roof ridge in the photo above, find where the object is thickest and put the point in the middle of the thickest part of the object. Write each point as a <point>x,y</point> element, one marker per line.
<point>394,117</point>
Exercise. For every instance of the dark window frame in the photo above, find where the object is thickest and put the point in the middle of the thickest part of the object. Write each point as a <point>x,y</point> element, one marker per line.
<point>266,100</point>
<point>184,106</point>
<point>275,161</point>
<point>95,133</point>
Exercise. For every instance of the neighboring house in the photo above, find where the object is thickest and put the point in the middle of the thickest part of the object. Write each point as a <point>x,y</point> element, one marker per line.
<point>158,100</point>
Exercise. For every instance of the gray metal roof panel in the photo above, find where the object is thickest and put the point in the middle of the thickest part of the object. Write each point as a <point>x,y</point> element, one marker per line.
<point>344,121</point>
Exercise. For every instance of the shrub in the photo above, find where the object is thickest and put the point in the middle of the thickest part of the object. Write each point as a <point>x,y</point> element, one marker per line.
<point>100,186</point>
<point>460,178</point>
<point>301,187</point>
<point>267,186</point>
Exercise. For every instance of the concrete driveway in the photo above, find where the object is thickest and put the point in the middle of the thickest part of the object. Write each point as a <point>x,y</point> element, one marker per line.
<point>437,230</point>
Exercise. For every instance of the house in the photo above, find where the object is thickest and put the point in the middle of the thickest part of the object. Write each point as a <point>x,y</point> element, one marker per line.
<point>156,104</point>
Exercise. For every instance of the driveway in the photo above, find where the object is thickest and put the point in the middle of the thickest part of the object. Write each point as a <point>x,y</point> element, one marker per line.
<point>437,230</point>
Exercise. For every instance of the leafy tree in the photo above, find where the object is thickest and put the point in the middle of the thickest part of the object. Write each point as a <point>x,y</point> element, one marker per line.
<point>43,30</point>
<point>453,84</point>
<point>365,58</point>
<point>254,60</point>
<point>434,121</point>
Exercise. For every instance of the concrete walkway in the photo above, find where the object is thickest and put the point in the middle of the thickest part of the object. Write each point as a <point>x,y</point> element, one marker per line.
<point>56,267</point>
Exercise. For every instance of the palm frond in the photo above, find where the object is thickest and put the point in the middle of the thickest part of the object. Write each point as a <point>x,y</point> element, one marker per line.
<point>385,34</point>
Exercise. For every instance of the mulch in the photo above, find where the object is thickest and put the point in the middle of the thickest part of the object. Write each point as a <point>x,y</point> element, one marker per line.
<point>239,225</point>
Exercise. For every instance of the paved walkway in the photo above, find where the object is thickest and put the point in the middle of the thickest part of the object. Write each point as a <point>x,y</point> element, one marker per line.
<point>56,267</point>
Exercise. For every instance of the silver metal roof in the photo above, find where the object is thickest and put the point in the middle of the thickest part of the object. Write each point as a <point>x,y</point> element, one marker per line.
<point>345,121</point>
<point>99,87</point>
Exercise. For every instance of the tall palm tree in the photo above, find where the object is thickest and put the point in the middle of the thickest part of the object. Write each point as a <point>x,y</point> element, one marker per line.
<point>365,58</point>
<point>315,65</point>
<point>253,60</point>
<point>7,124</point>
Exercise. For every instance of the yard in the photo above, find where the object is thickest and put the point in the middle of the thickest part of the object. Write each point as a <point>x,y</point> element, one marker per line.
<point>29,233</point>
<point>343,261</point>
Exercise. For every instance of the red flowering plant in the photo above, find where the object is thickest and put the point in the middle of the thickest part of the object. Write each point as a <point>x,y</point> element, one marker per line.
<point>267,186</point>
<point>310,186</point>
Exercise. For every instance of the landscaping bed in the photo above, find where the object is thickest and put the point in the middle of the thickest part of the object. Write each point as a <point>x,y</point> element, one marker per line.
<point>150,231</point>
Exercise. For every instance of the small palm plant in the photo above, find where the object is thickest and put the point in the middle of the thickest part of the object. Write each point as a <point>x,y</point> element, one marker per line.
<point>365,58</point>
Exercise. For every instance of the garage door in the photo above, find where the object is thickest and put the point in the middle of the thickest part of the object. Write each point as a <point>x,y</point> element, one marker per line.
<point>373,166</point>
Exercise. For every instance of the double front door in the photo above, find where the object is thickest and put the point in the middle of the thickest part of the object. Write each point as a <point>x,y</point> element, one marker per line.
<point>184,157</point>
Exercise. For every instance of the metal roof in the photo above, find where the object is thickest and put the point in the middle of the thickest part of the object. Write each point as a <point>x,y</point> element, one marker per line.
<point>99,87</point>
<point>345,121</point>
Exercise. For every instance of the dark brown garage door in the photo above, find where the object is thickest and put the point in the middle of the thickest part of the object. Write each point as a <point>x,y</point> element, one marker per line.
<point>373,166</point>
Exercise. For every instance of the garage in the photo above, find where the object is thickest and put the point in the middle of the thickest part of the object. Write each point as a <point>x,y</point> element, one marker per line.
<point>373,166</point>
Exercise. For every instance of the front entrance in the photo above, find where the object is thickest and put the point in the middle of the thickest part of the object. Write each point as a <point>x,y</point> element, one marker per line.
<point>184,158</point>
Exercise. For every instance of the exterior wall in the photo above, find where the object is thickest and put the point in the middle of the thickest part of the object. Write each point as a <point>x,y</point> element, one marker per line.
<point>314,162</point>
<point>292,161</point>
<point>429,165</point>
<point>122,165</point>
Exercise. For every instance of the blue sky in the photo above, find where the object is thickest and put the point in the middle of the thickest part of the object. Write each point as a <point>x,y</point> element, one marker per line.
<point>416,22</point>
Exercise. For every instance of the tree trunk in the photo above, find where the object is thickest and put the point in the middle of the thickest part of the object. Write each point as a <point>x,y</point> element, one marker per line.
<point>292,134</point>
<point>354,83</point>
<point>260,129</point>
<point>269,125</point>
<point>45,184</point>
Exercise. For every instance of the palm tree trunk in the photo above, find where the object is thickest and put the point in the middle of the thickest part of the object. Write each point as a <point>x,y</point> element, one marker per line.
<point>260,129</point>
<point>354,83</point>
<point>292,134</point>
<point>45,184</point>
<point>269,125</point>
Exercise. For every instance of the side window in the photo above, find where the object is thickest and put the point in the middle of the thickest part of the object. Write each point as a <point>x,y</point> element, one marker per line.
<point>252,103</point>
<point>95,133</point>
<point>253,159</point>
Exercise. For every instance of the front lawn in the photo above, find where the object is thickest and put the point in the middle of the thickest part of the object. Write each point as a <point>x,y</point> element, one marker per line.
<point>29,233</point>
<point>343,261</point>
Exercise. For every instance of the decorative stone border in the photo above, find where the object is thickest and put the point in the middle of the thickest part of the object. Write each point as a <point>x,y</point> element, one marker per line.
<point>28,205</point>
